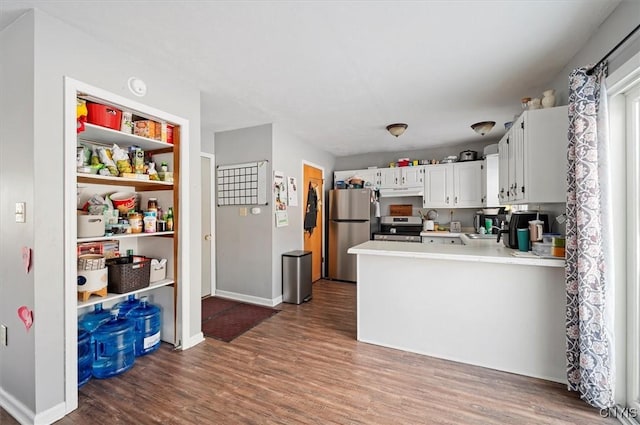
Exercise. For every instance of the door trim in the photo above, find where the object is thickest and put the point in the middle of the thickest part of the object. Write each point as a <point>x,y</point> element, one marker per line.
<point>321,210</point>
<point>212,188</point>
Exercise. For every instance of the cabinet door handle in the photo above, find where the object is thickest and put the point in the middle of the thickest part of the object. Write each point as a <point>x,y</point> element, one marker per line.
<point>402,179</point>
<point>447,199</point>
<point>455,200</point>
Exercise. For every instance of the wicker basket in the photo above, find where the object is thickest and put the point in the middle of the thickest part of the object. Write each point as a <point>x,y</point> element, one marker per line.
<point>126,274</point>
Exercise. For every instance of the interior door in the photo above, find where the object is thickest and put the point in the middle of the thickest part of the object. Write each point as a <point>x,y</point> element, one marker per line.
<point>312,177</point>
<point>208,275</point>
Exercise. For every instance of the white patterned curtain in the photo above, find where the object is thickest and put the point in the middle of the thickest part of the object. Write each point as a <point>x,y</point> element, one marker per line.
<point>589,282</point>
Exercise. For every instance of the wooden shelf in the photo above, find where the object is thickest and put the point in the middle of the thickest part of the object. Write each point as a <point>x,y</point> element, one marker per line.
<point>126,236</point>
<point>94,299</point>
<point>98,134</point>
<point>140,185</point>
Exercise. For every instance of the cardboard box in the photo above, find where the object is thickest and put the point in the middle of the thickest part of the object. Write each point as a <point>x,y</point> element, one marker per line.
<point>148,128</point>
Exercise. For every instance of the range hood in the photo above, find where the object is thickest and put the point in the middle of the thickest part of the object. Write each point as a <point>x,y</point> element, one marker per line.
<point>401,191</point>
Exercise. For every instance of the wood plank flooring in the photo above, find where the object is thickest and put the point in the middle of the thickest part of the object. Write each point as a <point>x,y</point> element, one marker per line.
<point>304,366</point>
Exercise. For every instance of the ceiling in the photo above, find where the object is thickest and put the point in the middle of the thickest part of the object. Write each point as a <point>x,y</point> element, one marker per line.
<point>335,73</point>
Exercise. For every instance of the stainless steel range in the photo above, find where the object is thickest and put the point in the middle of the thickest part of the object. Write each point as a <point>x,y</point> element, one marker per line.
<point>399,228</point>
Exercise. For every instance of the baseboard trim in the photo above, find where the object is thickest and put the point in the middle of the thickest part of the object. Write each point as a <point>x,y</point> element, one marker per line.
<point>24,415</point>
<point>193,341</point>
<point>249,298</point>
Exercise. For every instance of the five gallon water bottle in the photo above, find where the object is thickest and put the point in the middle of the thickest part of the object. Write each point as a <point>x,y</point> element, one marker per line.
<point>114,347</point>
<point>146,322</point>
<point>85,357</point>
<point>92,320</point>
<point>124,307</point>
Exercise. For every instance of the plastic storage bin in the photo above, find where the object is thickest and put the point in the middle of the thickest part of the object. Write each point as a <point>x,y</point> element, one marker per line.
<point>296,277</point>
<point>85,357</point>
<point>146,324</point>
<point>114,347</point>
<point>104,116</point>
<point>128,274</point>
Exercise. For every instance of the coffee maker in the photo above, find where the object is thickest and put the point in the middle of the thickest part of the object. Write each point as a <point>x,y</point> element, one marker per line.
<point>496,220</point>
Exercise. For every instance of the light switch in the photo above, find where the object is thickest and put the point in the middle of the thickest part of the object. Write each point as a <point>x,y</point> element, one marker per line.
<point>243,211</point>
<point>20,212</point>
<point>255,210</point>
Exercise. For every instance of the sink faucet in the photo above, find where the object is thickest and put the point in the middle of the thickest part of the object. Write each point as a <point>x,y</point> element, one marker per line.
<point>502,230</point>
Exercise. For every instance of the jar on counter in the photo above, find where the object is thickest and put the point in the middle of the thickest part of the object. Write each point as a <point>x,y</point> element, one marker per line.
<point>135,221</point>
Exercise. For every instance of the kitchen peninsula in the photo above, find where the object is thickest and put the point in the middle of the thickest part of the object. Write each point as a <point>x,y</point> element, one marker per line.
<point>474,303</point>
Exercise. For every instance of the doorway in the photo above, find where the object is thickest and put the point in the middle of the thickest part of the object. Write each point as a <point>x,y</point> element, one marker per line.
<point>313,179</point>
<point>207,186</point>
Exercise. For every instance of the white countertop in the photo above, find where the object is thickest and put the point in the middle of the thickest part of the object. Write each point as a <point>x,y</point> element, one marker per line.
<point>479,250</point>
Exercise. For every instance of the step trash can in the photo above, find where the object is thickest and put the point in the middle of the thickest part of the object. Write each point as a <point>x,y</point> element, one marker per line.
<point>296,276</point>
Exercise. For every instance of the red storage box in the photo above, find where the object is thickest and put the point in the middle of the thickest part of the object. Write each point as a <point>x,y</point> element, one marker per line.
<point>104,116</point>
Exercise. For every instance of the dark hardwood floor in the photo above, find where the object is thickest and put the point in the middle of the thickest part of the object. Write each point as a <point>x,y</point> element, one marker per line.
<point>304,366</point>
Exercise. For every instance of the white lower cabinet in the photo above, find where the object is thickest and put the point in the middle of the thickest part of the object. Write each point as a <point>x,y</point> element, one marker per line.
<point>457,185</point>
<point>442,240</point>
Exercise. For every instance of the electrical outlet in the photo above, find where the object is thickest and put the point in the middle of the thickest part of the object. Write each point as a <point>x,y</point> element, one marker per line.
<point>3,335</point>
<point>243,211</point>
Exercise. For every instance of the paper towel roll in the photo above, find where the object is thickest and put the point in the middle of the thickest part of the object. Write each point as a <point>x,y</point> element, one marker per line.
<point>377,209</point>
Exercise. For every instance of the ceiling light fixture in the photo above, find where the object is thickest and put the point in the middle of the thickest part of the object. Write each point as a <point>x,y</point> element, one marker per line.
<point>397,129</point>
<point>483,127</point>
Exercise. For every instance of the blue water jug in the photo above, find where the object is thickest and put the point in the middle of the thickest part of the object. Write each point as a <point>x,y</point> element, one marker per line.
<point>146,322</point>
<point>114,347</point>
<point>91,320</point>
<point>85,357</point>
<point>124,307</point>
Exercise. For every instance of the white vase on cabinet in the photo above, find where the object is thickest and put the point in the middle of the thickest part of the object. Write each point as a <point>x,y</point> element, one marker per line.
<point>549,98</point>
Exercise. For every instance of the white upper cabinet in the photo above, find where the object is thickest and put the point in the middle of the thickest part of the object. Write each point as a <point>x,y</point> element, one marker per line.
<point>490,185</point>
<point>401,177</point>
<point>467,184</point>
<point>533,158</point>
<point>438,186</point>
<point>457,185</point>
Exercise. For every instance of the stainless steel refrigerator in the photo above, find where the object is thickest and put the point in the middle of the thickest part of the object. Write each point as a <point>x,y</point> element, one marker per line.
<point>349,215</point>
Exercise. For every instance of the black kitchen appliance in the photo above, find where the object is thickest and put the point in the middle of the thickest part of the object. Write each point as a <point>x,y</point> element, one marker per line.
<point>520,220</point>
<point>399,228</point>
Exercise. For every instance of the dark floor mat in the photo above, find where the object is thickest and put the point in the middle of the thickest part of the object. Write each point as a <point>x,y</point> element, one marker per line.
<point>233,321</point>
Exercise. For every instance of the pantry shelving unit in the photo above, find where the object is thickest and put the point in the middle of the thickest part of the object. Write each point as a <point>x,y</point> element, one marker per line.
<point>171,245</point>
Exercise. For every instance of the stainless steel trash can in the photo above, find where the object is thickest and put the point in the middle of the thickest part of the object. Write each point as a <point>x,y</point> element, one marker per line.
<point>296,276</point>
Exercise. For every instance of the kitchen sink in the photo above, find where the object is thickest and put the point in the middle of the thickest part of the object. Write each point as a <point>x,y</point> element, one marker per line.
<point>481,236</point>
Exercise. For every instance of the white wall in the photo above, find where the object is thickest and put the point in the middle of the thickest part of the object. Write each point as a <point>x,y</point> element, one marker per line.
<point>617,25</point>
<point>382,159</point>
<point>17,180</point>
<point>34,145</point>
<point>249,249</point>
<point>243,244</point>
<point>289,154</point>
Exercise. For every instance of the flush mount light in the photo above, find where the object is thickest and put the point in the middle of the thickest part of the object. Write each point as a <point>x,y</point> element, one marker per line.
<point>137,86</point>
<point>483,127</point>
<point>397,129</point>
